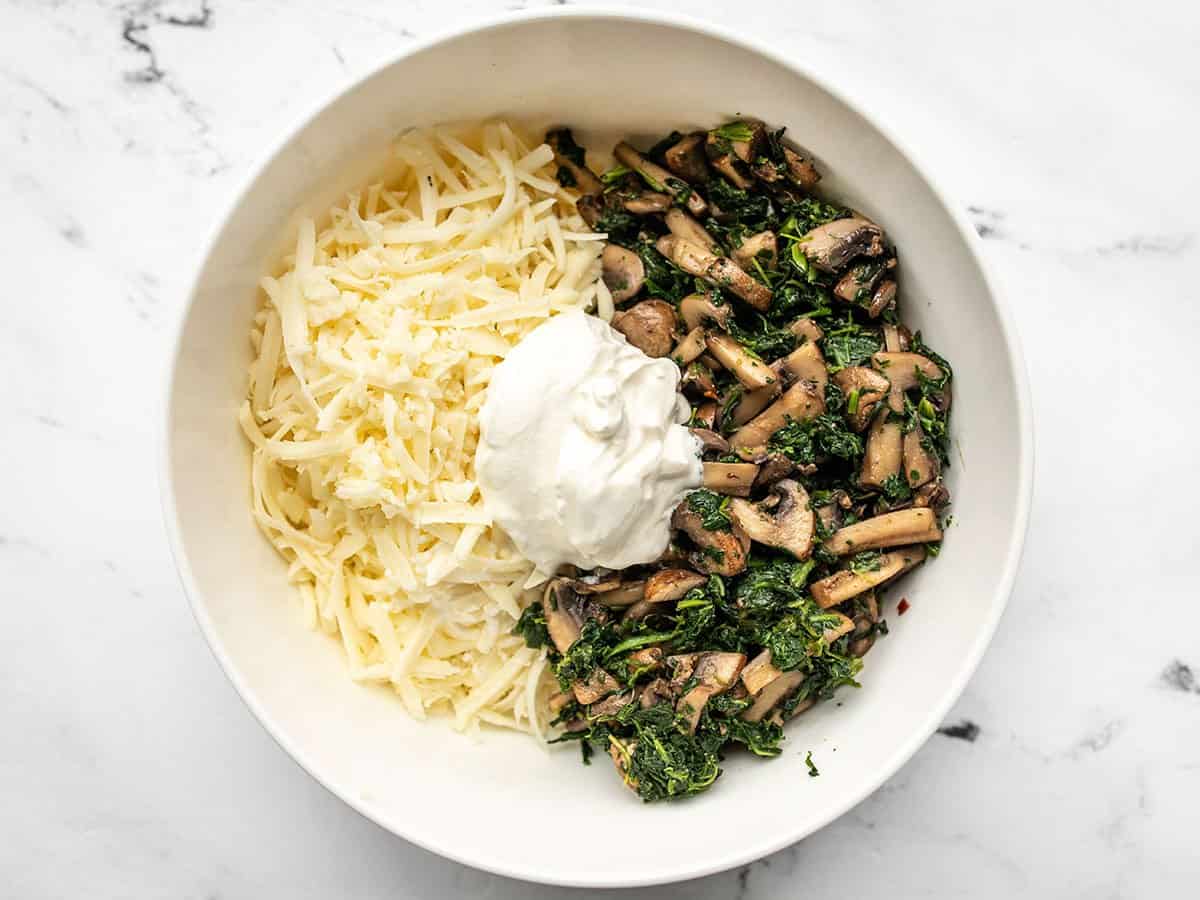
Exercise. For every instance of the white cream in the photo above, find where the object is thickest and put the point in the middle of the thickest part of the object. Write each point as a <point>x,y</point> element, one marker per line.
<point>582,451</point>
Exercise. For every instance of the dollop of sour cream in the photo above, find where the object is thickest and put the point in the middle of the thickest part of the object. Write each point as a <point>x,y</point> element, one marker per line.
<point>583,454</point>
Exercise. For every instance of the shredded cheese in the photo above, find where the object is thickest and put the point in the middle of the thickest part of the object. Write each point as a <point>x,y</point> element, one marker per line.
<point>374,346</point>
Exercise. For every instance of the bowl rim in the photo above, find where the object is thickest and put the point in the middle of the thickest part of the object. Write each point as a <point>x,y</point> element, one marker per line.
<point>682,869</point>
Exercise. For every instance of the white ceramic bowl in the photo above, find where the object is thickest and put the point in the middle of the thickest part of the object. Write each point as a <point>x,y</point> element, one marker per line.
<point>503,803</point>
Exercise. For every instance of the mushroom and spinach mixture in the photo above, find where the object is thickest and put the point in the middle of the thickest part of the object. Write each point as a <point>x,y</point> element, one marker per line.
<point>823,421</point>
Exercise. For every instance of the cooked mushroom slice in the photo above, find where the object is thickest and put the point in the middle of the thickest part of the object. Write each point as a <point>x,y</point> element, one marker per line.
<point>686,158</point>
<point>621,753</point>
<point>659,178</point>
<point>649,326</point>
<point>569,155</point>
<point>563,612</point>
<point>830,246</point>
<point>772,695</point>
<point>806,328</point>
<point>845,626</point>
<point>933,495</point>
<point>647,203</point>
<point>749,370</point>
<point>762,247</point>
<point>669,585</point>
<point>883,454</point>
<point>883,298</point>
<point>710,441</point>
<point>718,270</point>
<point>786,523</point>
<point>610,705</point>
<point>901,370</point>
<point>731,158</point>
<point>750,404</point>
<point>800,171</point>
<point>626,595</point>
<point>805,363</point>
<point>759,672</point>
<point>656,692</point>
<point>799,403</point>
<point>863,388</point>
<point>841,586</point>
<point>920,466</point>
<point>623,272</point>
<point>597,686</point>
<point>857,285</point>
<point>720,552</point>
<point>715,674</point>
<point>699,310</point>
<point>647,659</point>
<point>684,226</point>
<point>893,529</point>
<point>896,338</point>
<point>750,150</point>
<point>558,700</point>
<point>594,584</point>
<point>772,469</point>
<point>690,347</point>
<point>735,479</point>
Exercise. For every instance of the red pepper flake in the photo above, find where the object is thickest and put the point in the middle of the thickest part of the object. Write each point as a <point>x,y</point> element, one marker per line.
<point>902,606</point>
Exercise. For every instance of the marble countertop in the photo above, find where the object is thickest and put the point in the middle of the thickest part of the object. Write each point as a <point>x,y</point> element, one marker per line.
<point>1071,765</point>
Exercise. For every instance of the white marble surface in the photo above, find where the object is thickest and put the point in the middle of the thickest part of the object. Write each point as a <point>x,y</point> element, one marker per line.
<point>128,766</point>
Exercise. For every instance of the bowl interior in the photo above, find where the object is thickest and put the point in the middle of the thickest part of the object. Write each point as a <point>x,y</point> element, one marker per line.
<point>500,801</point>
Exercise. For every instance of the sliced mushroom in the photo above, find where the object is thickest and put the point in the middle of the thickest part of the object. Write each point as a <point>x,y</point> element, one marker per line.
<point>734,479</point>
<point>597,686</point>
<point>830,246</point>
<point>699,310</point>
<point>750,150</point>
<point>750,404</point>
<point>558,700</point>
<point>585,179</point>
<point>799,403</point>
<point>896,338</point>
<point>772,695</point>
<point>623,272</point>
<point>710,441</point>
<point>647,659</point>
<point>933,495</point>
<point>656,692</point>
<point>649,326</point>
<point>883,454</point>
<point>762,247</point>
<point>659,178</point>
<point>715,672</point>
<point>883,298</point>
<point>788,524</point>
<point>893,529</point>
<point>626,594</point>
<point>669,585</point>
<point>690,347</point>
<point>562,609</point>
<point>920,466</point>
<point>864,388</point>
<point>718,270</point>
<point>686,158</point>
<point>841,586</point>
<point>800,171</point>
<point>721,157</point>
<point>805,363</point>
<point>806,328</point>
<point>759,672</point>
<point>720,552</point>
<point>609,706</point>
<point>845,626</point>
<point>901,370</point>
<point>859,282</point>
<point>749,370</point>
<point>685,227</point>
<point>647,203</point>
<point>775,467</point>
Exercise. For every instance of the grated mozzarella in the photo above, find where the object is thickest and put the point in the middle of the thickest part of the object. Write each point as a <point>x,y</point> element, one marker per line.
<point>374,347</point>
